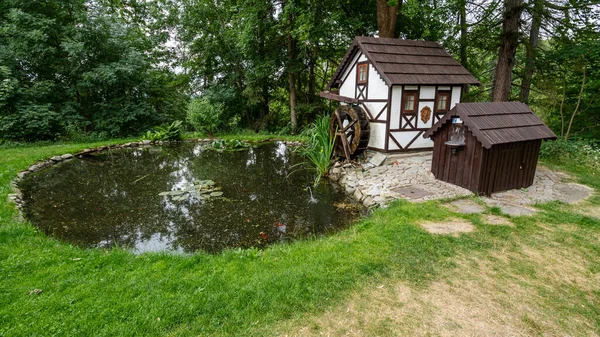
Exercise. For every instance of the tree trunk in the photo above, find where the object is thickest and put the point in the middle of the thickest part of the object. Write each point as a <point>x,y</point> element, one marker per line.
<point>506,52</point>
<point>578,103</point>
<point>291,46</point>
<point>463,39</point>
<point>387,17</point>
<point>312,77</point>
<point>534,35</point>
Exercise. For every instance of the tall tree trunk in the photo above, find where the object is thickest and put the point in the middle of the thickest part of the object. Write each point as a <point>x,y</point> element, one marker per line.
<point>578,103</point>
<point>387,17</point>
<point>534,34</point>
<point>506,52</point>
<point>262,50</point>
<point>463,38</point>
<point>291,49</point>
<point>312,77</point>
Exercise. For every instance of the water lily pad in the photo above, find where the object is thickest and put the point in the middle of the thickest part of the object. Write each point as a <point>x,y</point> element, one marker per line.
<point>172,193</point>
<point>216,194</point>
<point>181,197</point>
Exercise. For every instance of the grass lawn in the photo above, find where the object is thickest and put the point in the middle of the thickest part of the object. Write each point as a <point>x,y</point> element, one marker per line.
<point>385,276</point>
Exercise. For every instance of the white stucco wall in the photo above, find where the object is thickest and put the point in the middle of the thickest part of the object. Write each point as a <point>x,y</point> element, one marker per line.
<point>395,111</point>
<point>456,90</point>
<point>377,87</point>
<point>348,87</point>
<point>377,135</point>
<point>375,108</point>
<point>405,137</point>
<point>427,92</point>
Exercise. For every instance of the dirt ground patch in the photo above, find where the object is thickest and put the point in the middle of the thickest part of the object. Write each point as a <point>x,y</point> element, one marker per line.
<point>452,227</point>
<point>496,220</point>
<point>593,211</point>
<point>507,293</point>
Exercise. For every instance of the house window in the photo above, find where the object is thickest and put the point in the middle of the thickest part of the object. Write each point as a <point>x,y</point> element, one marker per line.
<point>442,102</point>
<point>362,73</point>
<point>410,102</point>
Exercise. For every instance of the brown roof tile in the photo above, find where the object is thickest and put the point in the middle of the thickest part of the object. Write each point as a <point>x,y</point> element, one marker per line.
<point>497,123</point>
<point>406,62</point>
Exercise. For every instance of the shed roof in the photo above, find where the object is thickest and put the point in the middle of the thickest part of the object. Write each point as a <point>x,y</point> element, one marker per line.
<point>406,62</point>
<point>497,122</point>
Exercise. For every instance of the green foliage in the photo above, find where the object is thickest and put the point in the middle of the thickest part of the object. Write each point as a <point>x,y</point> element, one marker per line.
<point>319,146</point>
<point>204,115</point>
<point>64,65</point>
<point>171,131</point>
<point>579,152</point>
<point>229,145</point>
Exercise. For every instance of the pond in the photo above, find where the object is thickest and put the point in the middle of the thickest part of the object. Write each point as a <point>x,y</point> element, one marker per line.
<point>185,198</point>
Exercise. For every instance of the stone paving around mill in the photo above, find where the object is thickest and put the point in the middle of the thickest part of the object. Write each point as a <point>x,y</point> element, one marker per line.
<point>378,180</point>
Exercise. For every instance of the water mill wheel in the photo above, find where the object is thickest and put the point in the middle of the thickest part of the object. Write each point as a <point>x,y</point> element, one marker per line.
<point>350,127</point>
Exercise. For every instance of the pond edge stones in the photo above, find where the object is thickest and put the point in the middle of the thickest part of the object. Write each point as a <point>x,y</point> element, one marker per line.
<point>16,197</point>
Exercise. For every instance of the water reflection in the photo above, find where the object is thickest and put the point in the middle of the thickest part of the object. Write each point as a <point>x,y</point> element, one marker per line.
<point>113,199</point>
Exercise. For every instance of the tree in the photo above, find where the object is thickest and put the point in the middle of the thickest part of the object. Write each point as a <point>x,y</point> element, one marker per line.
<point>387,15</point>
<point>509,41</point>
<point>77,66</point>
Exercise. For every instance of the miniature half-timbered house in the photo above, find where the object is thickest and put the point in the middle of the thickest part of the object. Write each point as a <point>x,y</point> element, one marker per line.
<point>403,86</point>
<point>488,147</point>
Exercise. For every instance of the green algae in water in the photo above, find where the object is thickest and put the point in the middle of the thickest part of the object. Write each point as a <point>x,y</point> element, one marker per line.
<point>184,198</point>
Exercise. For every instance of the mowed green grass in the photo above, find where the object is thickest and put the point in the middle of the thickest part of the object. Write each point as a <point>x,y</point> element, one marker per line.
<point>237,293</point>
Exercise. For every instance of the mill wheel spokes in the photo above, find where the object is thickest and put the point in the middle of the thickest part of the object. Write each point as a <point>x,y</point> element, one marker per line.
<point>350,127</point>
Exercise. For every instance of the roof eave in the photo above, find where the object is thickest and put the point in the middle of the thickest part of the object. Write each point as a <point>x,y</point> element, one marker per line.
<point>374,64</point>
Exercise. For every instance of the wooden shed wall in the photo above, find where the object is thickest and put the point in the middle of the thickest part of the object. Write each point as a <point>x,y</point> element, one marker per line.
<point>464,167</point>
<point>509,166</point>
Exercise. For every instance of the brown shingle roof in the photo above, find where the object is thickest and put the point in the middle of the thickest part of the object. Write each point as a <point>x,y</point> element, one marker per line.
<point>497,123</point>
<point>406,62</point>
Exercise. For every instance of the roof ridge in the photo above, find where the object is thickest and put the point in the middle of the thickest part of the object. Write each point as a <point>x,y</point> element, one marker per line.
<point>510,127</point>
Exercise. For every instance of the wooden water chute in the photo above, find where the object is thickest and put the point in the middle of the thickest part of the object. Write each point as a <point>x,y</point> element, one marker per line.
<point>488,147</point>
<point>349,126</point>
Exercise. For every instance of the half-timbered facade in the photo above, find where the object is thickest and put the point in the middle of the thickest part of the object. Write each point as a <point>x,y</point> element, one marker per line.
<point>404,86</point>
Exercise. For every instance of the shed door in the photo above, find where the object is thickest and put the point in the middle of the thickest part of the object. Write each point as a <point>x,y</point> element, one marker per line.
<point>509,169</point>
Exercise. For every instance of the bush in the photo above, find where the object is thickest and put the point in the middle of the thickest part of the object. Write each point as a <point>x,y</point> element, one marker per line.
<point>205,116</point>
<point>166,132</point>
<point>580,152</point>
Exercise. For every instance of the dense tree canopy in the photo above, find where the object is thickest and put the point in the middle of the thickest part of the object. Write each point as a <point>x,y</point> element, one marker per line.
<point>119,67</point>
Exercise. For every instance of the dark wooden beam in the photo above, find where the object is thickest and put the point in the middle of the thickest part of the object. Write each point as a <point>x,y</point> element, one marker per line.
<point>339,98</point>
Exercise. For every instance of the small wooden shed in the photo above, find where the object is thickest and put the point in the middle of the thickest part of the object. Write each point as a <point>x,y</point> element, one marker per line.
<point>488,147</point>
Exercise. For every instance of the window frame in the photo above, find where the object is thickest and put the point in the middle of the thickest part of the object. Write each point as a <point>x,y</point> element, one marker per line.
<point>439,94</point>
<point>360,65</point>
<point>415,94</point>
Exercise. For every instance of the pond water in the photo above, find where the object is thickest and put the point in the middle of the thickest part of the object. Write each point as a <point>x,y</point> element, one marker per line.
<point>184,198</point>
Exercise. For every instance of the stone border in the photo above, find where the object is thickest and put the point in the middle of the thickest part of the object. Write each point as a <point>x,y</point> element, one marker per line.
<point>16,197</point>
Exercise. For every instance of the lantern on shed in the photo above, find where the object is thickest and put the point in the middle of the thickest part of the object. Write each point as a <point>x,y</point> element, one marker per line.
<point>457,135</point>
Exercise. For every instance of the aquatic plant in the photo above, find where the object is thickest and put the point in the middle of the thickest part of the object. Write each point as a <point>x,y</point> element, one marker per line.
<point>319,146</point>
<point>229,145</point>
<point>171,131</point>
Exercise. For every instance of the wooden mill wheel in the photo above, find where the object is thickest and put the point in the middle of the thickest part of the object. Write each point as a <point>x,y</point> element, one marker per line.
<point>350,127</point>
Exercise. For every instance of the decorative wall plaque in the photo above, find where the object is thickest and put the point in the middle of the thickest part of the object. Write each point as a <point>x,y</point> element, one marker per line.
<point>425,114</point>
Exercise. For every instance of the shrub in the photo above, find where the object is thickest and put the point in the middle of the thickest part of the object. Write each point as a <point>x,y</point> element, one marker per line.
<point>580,152</point>
<point>205,116</point>
<point>166,132</point>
